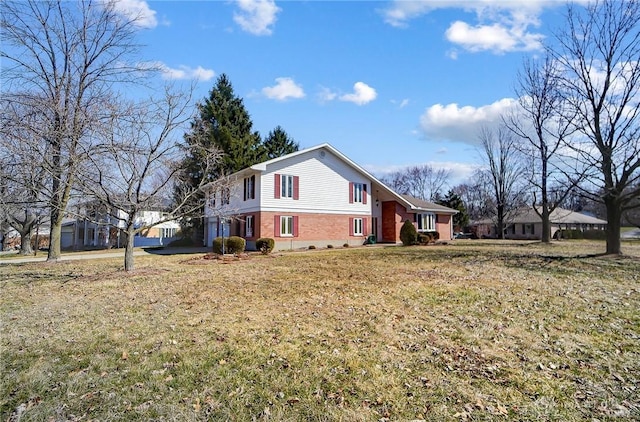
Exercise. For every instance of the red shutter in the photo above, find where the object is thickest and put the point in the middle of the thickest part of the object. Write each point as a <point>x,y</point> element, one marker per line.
<point>364,193</point>
<point>351,192</point>
<point>295,226</point>
<point>364,227</point>
<point>277,186</point>
<point>296,188</point>
<point>350,226</point>
<point>276,225</point>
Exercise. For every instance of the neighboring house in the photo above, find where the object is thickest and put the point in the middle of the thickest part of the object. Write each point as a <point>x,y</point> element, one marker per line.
<point>319,197</point>
<point>525,223</point>
<point>97,228</point>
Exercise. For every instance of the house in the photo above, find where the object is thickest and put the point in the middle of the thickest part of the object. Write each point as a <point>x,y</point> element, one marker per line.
<point>525,223</point>
<point>97,227</point>
<point>319,197</point>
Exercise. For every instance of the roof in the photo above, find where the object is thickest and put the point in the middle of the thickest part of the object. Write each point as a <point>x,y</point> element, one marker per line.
<point>408,201</point>
<point>428,206</point>
<point>558,216</point>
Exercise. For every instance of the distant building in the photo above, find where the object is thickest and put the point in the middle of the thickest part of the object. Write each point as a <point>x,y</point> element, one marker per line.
<point>525,223</point>
<point>98,227</point>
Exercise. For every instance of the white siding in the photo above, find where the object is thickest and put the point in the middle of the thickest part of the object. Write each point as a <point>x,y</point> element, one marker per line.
<point>323,185</point>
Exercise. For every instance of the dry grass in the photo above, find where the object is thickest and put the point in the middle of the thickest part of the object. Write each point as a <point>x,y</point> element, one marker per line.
<point>475,330</point>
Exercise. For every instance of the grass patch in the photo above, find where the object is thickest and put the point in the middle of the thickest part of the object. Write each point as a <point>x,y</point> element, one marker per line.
<point>482,330</point>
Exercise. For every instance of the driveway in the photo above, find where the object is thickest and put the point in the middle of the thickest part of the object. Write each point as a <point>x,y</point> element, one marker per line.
<point>113,253</point>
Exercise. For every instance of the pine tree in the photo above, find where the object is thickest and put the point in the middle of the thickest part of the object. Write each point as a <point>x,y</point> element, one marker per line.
<point>453,200</point>
<point>224,122</point>
<point>279,143</point>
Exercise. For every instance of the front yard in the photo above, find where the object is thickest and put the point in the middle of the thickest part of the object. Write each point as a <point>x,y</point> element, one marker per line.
<point>473,330</point>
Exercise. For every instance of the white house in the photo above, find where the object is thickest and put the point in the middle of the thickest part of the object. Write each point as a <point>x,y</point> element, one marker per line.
<point>319,197</point>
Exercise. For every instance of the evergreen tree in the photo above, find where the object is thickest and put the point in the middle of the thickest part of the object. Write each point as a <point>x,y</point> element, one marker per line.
<point>279,143</point>
<point>223,122</point>
<point>453,200</point>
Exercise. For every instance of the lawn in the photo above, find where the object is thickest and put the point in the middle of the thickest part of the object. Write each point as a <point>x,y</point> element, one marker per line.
<point>474,330</point>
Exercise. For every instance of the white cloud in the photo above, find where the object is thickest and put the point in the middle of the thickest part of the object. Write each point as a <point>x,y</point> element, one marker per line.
<point>256,16</point>
<point>284,89</point>
<point>496,37</point>
<point>462,124</point>
<point>182,72</point>
<point>362,94</point>
<point>402,103</point>
<point>502,26</point>
<point>326,95</point>
<point>138,10</point>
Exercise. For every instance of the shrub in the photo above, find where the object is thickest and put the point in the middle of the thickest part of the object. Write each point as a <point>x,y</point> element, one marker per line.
<point>569,234</point>
<point>408,234</point>
<point>185,241</point>
<point>311,247</point>
<point>232,245</point>
<point>424,238</point>
<point>346,245</point>
<point>329,246</point>
<point>265,245</point>
<point>595,234</point>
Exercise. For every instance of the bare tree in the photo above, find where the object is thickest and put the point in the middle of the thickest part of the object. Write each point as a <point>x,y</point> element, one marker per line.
<point>544,124</point>
<point>421,181</point>
<point>502,173</point>
<point>22,175</point>
<point>138,165</point>
<point>63,60</point>
<point>598,52</point>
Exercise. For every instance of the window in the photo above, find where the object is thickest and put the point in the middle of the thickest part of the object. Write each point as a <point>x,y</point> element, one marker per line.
<point>168,232</point>
<point>357,193</point>
<point>286,225</point>
<point>357,227</point>
<point>250,187</point>
<point>226,196</point>
<point>426,222</point>
<point>248,223</point>
<point>286,186</point>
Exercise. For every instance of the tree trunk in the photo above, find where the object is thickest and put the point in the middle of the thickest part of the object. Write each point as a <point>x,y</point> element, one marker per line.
<point>128,251</point>
<point>614,215</point>
<point>55,236</point>
<point>25,242</point>
<point>500,222</point>
<point>546,224</point>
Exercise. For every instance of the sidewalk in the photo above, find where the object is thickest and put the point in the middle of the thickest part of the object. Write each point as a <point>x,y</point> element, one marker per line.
<point>114,253</point>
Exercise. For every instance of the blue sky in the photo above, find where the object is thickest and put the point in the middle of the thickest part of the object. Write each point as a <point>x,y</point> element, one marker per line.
<point>388,83</point>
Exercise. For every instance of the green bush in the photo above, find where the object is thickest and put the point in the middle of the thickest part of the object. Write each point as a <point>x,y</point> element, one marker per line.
<point>408,234</point>
<point>232,245</point>
<point>595,234</point>
<point>569,234</point>
<point>265,245</point>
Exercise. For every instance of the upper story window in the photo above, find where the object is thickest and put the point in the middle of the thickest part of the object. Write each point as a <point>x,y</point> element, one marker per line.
<point>250,187</point>
<point>286,186</point>
<point>357,193</point>
<point>426,222</point>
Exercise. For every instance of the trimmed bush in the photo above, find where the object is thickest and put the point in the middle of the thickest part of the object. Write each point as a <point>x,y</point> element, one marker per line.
<point>329,246</point>
<point>232,245</point>
<point>312,247</point>
<point>346,245</point>
<point>595,234</point>
<point>428,237</point>
<point>265,245</point>
<point>408,234</point>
